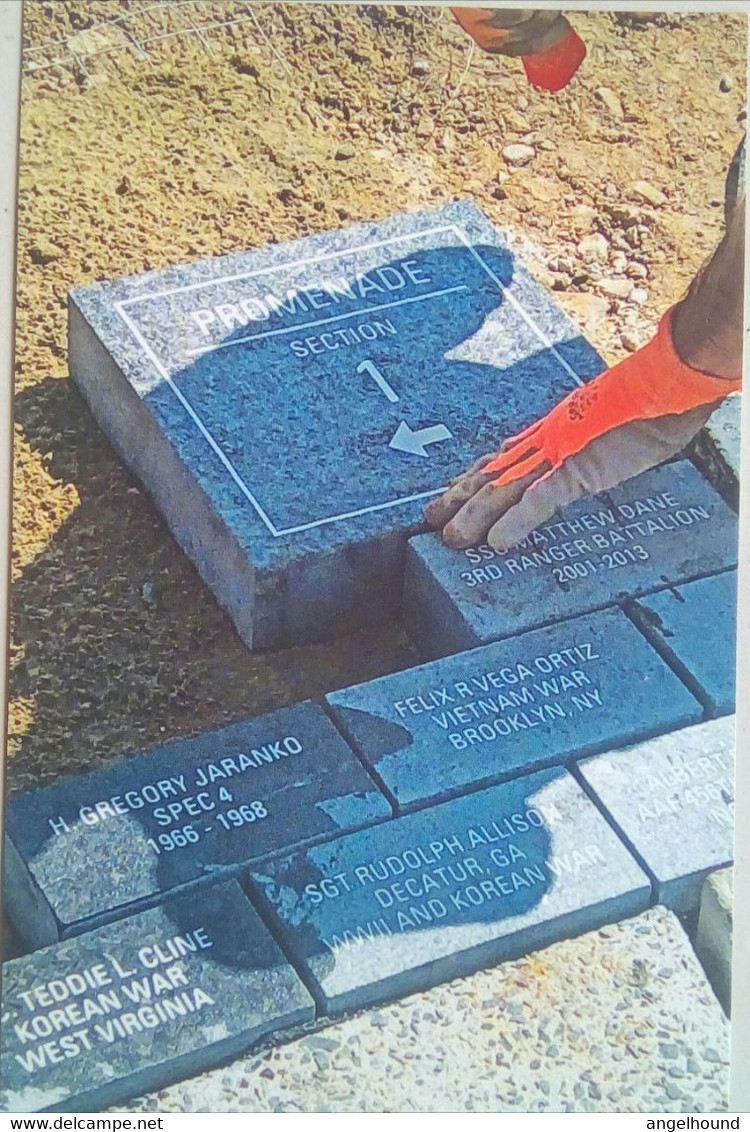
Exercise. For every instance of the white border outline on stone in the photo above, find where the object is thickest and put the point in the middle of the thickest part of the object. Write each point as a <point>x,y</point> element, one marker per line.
<point>213,443</point>
<point>521,309</point>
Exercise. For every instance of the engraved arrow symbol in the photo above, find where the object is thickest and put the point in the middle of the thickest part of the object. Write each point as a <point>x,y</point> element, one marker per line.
<point>406,439</point>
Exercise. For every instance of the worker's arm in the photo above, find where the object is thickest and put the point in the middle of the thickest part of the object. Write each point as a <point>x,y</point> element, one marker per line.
<point>503,31</point>
<point>625,421</point>
<point>550,49</point>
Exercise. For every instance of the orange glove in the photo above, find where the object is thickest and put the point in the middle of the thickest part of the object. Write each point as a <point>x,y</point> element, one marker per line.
<point>473,511</point>
<point>551,51</point>
<point>653,382</point>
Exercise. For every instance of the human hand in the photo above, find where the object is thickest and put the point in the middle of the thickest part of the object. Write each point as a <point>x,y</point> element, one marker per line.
<point>473,510</point>
<point>628,419</point>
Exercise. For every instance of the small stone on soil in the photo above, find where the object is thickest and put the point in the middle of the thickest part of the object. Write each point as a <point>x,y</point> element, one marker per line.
<point>610,100</point>
<point>519,154</point>
<point>645,191</point>
<point>594,247</point>
<point>617,288</point>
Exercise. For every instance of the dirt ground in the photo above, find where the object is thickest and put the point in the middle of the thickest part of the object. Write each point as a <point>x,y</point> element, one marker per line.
<point>297,119</point>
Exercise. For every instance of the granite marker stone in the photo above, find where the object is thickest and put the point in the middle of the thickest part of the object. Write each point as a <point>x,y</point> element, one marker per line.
<point>439,893</point>
<point>87,849</point>
<point>673,800</point>
<point>291,409</point>
<point>514,706</point>
<point>694,626</point>
<point>138,1004</point>
<point>667,525</point>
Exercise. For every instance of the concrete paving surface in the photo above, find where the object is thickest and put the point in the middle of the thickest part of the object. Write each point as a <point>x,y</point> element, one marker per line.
<point>619,1020</point>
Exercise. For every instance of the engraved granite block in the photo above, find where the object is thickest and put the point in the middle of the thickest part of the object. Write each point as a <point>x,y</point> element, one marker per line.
<point>444,891</point>
<point>667,525</point>
<point>694,626</point>
<point>513,706</point>
<point>292,408</point>
<point>137,1004</point>
<point>88,849</point>
<point>672,799</point>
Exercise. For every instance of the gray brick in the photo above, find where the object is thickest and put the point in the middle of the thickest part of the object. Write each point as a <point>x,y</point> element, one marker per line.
<point>667,525</point>
<point>673,800</point>
<point>446,890</point>
<point>138,1004</point>
<point>539,698</point>
<point>89,849</point>
<point>694,626</point>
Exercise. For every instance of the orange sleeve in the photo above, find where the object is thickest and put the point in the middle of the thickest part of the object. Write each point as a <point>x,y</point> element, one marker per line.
<point>652,382</point>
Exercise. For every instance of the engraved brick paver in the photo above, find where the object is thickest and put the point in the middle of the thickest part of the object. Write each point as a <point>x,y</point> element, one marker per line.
<point>672,799</point>
<point>93,848</point>
<point>93,1020</point>
<point>667,525</point>
<point>445,890</point>
<point>539,698</point>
